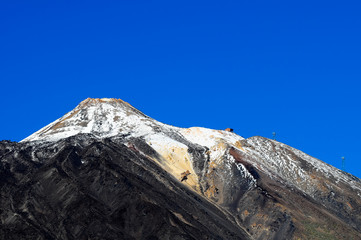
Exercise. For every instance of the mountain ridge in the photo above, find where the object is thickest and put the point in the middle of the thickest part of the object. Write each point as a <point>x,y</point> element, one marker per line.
<point>271,190</point>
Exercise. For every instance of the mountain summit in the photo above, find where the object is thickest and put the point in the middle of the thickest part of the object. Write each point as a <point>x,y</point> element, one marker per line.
<point>105,117</point>
<point>105,170</point>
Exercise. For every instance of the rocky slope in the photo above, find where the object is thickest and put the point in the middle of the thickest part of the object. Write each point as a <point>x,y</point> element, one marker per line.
<point>107,171</point>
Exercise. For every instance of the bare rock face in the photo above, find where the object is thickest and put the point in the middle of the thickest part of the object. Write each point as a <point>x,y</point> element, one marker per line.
<point>107,171</point>
<point>91,189</point>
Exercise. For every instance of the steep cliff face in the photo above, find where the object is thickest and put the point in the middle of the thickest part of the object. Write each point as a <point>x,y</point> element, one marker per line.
<point>105,170</point>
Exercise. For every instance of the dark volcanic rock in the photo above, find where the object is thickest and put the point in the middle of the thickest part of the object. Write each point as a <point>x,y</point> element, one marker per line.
<point>100,190</point>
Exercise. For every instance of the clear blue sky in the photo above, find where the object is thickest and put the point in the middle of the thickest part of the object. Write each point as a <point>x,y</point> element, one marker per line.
<point>293,67</point>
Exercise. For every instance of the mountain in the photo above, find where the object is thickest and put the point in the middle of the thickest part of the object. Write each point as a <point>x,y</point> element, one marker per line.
<point>105,170</point>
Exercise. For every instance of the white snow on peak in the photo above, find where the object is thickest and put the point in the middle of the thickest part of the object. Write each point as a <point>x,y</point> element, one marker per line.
<point>107,117</point>
<point>101,117</point>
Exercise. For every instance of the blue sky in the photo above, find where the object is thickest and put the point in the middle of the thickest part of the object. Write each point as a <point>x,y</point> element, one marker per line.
<point>293,67</point>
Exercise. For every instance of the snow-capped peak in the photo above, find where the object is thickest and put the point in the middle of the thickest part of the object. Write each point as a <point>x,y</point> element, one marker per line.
<point>103,117</point>
<point>108,117</point>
